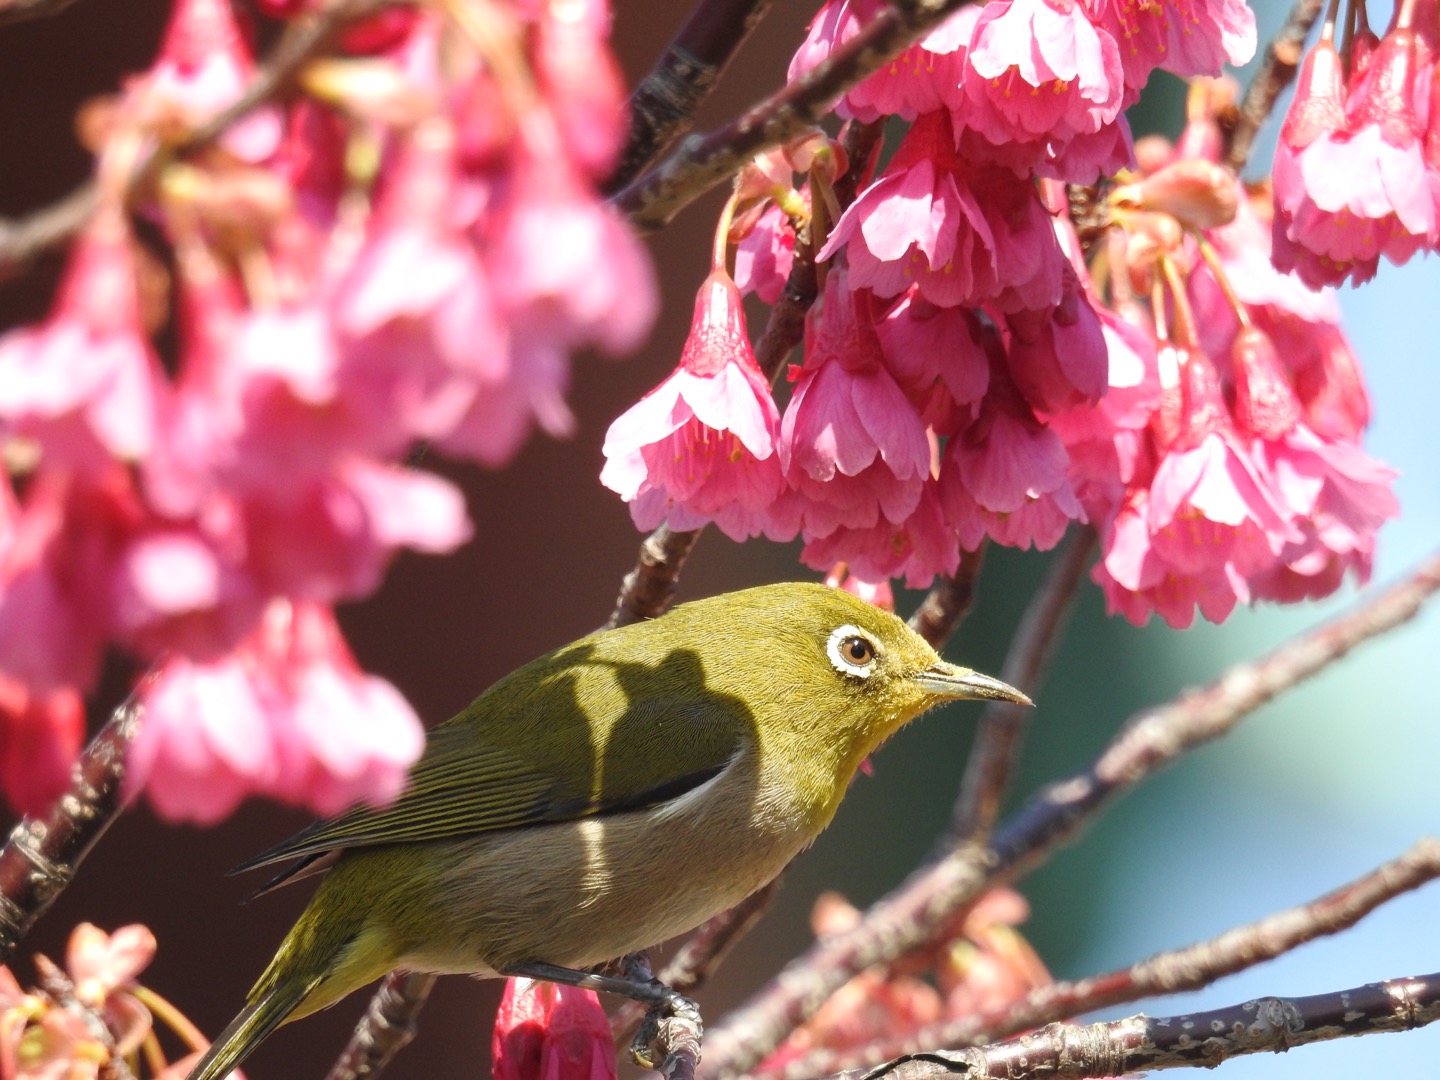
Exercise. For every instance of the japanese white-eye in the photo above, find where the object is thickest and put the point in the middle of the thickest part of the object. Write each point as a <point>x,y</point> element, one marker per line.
<point>603,798</point>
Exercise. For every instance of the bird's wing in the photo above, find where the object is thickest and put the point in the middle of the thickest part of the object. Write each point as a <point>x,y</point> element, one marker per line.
<point>463,785</point>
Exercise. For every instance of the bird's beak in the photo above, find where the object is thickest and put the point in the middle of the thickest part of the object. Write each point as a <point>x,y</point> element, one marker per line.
<point>956,683</point>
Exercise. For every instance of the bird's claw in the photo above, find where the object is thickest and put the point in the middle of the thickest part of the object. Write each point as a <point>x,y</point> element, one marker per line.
<point>671,1019</point>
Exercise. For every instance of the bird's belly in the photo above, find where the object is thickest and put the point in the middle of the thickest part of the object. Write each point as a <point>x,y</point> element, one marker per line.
<point>579,893</point>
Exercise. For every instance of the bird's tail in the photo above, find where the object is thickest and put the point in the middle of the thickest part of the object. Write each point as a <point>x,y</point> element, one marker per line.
<point>262,1015</point>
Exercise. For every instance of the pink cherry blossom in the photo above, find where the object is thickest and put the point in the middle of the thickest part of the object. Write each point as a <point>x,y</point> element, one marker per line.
<point>961,234</point>
<point>204,65</point>
<point>701,446</point>
<point>545,1031</point>
<point>764,255</point>
<point>923,78</point>
<point>288,714</point>
<point>851,444</point>
<point>581,81</point>
<point>1005,477</point>
<point>1183,37</point>
<point>1041,68</point>
<point>40,737</point>
<point>1058,357</point>
<point>915,548</point>
<point>1345,196</point>
<point>939,357</point>
<point>86,381</point>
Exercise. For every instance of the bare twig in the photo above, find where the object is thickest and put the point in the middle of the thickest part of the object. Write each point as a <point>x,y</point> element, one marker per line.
<point>701,162</point>
<point>911,914</point>
<point>1268,1025</point>
<point>662,107</point>
<point>948,600</point>
<point>22,239</point>
<point>1277,71</point>
<point>992,759</point>
<point>1169,972</point>
<point>388,1024</point>
<point>44,851</point>
<point>649,589</point>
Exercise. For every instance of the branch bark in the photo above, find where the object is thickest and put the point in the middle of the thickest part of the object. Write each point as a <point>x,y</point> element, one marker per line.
<point>701,162</point>
<point>44,852</point>
<point>1170,972</point>
<point>1263,1025</point>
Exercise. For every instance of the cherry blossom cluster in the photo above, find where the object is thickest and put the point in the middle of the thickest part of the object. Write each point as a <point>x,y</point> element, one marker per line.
<point>1357,170</point>
<point>972,374</point>
<point>91,1017</point>
<point>981,965</point>
<point>404,253</point>
<point>545,1031</point>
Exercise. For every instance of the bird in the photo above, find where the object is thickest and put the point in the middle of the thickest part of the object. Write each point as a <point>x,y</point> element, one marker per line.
<point>603,798</point>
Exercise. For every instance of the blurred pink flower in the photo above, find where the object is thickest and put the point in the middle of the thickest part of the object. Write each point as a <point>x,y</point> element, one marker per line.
<point>40,737</point>
<point>288,714</point>
<point>86,382</point>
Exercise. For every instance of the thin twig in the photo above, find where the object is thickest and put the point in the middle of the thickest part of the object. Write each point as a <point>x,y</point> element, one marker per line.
<point>662,107</point>
<point>1168,972</point>
<point>911,914</point>
<point>997,744</point>
<point>45,850</point>
<point>649,589</point>
<point>1276,72</point>
<point>949,600</point>
<point>1269,1025</point>
<point>22,239</point>
<point>388,1024</point>
<point>701,162</point>
<point>785,327</point>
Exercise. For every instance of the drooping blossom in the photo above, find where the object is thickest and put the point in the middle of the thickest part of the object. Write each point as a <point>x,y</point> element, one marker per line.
<point>852,446</point>
<point>545,1031</point>
<point>288,715</point>
<point>86,383</point>
<point>700,447</point>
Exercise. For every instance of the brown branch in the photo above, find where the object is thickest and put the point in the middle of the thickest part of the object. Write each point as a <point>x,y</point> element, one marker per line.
<point>649,589</point>
<point>662,107</point>
<point>1263,1025</point>
<point>992,758</point>
<point>919,908</point>
<point>388,1024</point>
<point>45,850</point>
<point>949,600</point>
<point>1170,972</point>
<point>701,162</point>
<point>22,239</point>
<point>1277,71</point>
<point>17,11</point>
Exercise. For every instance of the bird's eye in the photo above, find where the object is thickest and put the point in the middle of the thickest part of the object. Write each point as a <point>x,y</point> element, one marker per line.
<point>852,651</point>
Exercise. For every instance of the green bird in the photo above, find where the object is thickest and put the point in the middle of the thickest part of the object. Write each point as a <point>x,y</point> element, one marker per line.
<point>603,798</point>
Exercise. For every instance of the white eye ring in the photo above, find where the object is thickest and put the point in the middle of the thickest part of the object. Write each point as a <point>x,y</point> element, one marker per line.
<point>842,647</point>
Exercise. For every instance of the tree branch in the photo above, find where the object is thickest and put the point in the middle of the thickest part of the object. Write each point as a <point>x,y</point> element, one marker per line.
<point>701,162</point>
<point>1263,1025</point>
<point>992,758</point>
<point>912,913</point>
<point>948,600</point>
<point>1170,972</point>
<point>662,107</point>
<point>22,239</point>
<point>649,589</point>
<point>388,1024</point>
<point>1277,71</point>
<point>44,852</point>
<point>16,11</point>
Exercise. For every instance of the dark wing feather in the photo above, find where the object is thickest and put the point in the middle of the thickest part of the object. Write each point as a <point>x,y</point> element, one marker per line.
<point>462,786</point>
